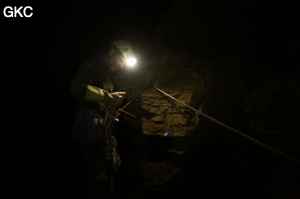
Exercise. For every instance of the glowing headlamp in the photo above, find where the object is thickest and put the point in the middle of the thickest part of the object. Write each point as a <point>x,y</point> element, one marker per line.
<point>131,61</point>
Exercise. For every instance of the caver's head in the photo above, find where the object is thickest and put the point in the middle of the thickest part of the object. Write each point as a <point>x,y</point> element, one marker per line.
<point>120,55</point>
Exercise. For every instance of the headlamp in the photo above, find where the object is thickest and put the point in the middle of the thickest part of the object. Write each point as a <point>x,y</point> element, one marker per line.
<point>131,61</point>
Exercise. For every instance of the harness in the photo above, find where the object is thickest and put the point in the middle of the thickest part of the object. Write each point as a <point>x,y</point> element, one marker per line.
<point>109,142</point>
<point>106,136</point>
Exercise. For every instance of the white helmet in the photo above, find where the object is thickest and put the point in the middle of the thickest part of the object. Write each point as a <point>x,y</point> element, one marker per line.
<point>126,50</point>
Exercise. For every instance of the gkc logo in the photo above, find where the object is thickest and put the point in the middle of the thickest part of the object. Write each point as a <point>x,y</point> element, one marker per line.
<point>15,11</point>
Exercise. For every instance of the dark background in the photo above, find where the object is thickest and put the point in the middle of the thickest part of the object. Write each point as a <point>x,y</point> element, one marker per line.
<point>39,56</point>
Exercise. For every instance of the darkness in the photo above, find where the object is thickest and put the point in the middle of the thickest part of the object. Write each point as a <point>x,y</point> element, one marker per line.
<point>39,58</point>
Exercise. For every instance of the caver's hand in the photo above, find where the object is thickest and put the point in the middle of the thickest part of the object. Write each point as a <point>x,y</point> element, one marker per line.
<point>115,98</point>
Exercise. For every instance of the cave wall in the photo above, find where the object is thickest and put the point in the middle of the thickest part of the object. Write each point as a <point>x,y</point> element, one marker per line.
<point>233,60</point>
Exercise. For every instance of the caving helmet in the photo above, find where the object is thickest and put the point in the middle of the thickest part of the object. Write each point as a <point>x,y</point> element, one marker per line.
<point>126,50</point>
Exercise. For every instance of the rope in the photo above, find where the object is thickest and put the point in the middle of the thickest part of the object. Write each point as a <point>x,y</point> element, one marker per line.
<point>232,129</point>
<point>134,98</point>
<point>122,109</point>
<point>111,190</point>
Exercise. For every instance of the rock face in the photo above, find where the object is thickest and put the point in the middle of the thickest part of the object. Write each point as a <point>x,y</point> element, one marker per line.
<point>166,117</point>
<point>161,118</point>
<point>233,60</point>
